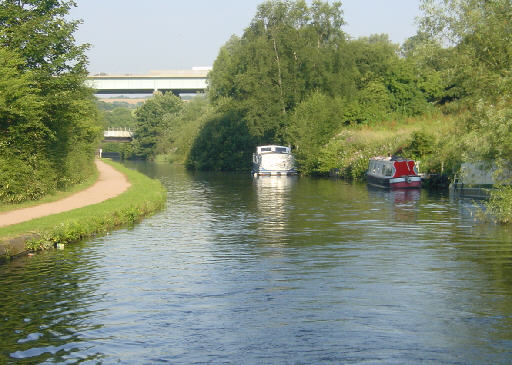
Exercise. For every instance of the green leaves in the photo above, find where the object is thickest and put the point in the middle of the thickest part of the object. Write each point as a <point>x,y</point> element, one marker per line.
<point>288,50</point>
<point>223,144</point>
<point>18,103</point>
<point>48,120</point>
<point>481,33</point>
<point>156,116</point>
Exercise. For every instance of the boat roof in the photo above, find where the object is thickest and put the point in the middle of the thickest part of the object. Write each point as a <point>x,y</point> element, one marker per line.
<point>271,145</point>
<point>390,158</point>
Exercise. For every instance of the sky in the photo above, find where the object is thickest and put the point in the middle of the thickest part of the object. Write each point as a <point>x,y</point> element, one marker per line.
<point>134,36</point>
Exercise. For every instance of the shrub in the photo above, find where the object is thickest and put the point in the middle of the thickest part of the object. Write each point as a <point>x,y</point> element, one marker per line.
<point>23,179</point>
<point>499,205</point>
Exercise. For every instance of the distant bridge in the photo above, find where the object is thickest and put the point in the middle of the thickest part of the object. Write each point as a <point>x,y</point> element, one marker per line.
<point>175,81</point>
<point>118,135</point>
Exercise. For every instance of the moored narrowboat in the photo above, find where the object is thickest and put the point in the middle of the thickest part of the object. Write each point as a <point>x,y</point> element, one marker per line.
<point>393,172</point>
<point>273,160</point>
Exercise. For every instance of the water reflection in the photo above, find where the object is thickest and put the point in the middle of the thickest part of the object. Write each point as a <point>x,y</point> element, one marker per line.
<point>405,203</point>
<point>404,196</point>
<point>273,203</point>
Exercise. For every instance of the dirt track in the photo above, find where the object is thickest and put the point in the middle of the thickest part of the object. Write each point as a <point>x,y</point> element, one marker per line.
<point>110,184</point>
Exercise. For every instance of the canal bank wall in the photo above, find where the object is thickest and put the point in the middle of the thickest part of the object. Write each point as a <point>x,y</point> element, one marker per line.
<point>13,247</point>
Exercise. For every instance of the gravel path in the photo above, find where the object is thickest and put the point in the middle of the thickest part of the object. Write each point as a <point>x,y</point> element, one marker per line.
<point>110,183</point>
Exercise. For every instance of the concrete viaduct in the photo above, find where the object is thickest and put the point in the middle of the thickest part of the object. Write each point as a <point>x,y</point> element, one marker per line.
<point>175,81</point>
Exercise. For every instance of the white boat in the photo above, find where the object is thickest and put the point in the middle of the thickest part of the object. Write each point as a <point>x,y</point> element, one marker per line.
<point>273,160</point>
<point>393,172</point>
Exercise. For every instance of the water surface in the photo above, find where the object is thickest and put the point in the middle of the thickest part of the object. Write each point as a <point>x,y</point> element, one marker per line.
<point>269,271</point>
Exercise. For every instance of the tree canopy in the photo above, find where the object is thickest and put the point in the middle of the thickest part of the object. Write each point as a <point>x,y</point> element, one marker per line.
<point>480,31</point>
<point>48,120</point>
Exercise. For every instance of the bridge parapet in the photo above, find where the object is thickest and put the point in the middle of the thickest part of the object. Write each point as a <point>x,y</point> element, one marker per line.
<point>176,81</point>
<point>118,135</point>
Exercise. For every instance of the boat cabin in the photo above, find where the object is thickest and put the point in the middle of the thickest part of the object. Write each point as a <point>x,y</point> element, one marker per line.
<point>273,160</point>
<point>392,167</point>
<point>393,172</point>
<point>272,149</point>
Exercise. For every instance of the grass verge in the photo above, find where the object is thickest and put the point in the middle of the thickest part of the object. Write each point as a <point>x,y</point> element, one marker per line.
<point>144,197</point>
<point>5,207</point>
<point>426,139</point>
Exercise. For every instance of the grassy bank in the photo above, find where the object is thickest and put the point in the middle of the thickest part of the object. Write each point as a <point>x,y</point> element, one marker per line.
<point>144,197</point>
<point>58,195</point>
<point>427,139</point>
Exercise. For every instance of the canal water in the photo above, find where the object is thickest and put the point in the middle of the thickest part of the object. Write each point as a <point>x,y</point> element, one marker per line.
<point>269,271</point>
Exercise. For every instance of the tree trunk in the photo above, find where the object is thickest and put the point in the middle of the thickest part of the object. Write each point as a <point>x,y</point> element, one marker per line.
<point>279,78</point>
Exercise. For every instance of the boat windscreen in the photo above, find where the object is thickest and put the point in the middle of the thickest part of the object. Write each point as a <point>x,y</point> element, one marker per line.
<point>281,150</point>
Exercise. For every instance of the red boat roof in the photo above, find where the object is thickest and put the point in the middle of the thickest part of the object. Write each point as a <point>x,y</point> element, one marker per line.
<point>404,167</point>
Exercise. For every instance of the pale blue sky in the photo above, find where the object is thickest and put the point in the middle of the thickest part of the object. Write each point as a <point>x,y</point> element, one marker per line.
<point>134,36</point>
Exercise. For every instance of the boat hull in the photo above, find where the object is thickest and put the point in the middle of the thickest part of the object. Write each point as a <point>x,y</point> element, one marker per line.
<point>404,182</point>
<point>274,172</point>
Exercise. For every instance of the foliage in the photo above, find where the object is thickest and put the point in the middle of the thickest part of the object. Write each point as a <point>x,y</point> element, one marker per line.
<point>288,50</point>
<point>499,205</point>
<point>480,31</point>
<point>52,196</point>
<point>422,138</point>
<point>350,151</point>
<point>117,114</point>
<point>194,115</point>
<point>223,143</point>
<point>488,132</point>
<point>24,173</point>
<point>109,106</point>
<point>312,124</point>
<point>293,77</point>
<point>119,117</point>
<point>153,120</point>
<point>48,120</point>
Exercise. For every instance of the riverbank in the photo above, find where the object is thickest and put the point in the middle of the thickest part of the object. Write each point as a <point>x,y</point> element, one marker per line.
<point>109,183</point>
<point>142,198</point>
<point>428,140</point>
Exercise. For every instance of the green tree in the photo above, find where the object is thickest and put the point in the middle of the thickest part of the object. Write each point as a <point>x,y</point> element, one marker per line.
<point>294,60</point>
<point>481,32</point>
<point>20,108</point>
<point>38,31</point>
<point>153,119</point>
<point>433,65</point>
<point>222,144</point>
<point>288,50</point>
<point>24,171</point>
<point>314,122</point>
<point>119,117</point>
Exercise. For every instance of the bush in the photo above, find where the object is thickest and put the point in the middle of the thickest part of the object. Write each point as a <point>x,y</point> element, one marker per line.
<point>223,143</point>
<point>499,205</point>
<point>23,179</point>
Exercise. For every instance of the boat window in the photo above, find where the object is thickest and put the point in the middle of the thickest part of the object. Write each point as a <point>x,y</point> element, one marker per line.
<point>266,149</point>
<point>281,149</point>
<point>388,171</point>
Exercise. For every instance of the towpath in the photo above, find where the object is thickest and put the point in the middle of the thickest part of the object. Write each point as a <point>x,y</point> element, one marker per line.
<point>110,183</point>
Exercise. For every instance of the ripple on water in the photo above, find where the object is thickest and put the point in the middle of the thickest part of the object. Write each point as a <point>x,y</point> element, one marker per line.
<point>238,270</point>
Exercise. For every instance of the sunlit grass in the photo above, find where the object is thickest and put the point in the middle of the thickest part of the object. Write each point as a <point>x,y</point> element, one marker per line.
<point>145,196</point>
<point>350,150</point>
